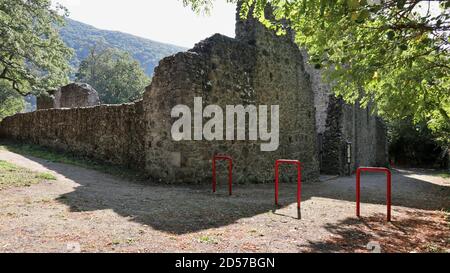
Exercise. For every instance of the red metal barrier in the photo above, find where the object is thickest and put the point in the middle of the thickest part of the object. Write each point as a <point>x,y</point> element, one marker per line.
<point>230,171</point>
<point>388,188</point>
<point>299,181</point>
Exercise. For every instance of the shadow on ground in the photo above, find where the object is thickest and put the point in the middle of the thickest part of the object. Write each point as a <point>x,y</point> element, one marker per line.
<point>183,209</point>
<point>419,231</point>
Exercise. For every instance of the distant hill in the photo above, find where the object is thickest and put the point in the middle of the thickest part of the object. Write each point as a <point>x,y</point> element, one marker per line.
<point>81,37</point>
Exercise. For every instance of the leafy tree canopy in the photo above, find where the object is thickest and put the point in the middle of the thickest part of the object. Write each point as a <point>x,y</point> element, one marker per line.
<point>414,145</point>
<point>117,77</point>
<point>33,58</point>
<point>10,101</point>
<point>392,52</point>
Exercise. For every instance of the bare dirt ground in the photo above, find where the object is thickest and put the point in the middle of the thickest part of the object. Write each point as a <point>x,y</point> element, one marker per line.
<point>102,213</point>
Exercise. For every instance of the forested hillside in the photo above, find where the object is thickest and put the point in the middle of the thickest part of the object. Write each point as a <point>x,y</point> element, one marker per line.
<point>81,37</point>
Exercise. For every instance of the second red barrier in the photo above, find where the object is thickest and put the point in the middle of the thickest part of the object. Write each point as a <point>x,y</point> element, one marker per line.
<point>299,181</point>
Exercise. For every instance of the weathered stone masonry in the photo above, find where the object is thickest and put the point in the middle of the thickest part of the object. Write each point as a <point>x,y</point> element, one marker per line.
<point>111,133</point>
<point>69,96</point>
<point>340,124</point>
<point>257,68</point>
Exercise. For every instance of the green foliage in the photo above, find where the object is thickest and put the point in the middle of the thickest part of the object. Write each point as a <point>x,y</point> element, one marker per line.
<point>33,58</point>
<point>116,76</point>
<point>12,105</point>
<point>204,6</point>
<point>444,175</point>
<point>10,101</point>
<point>82,37</point>
<point>394,53</point>
<point>414,144</point>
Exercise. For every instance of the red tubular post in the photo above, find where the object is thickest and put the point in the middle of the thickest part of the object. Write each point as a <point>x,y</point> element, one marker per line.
<point>299,191</point>
<point>388,195</point>
<point>358,192</point>
<point>230,172</point>
<point>214,174</point>
<point>276,183</point>
<point>388,188</point>
<point>299,182</point>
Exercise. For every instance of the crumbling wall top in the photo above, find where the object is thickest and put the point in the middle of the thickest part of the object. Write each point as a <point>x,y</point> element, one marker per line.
<point>76,95</point>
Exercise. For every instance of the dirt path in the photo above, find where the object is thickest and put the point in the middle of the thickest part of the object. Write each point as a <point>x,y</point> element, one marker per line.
<point>102,213</point>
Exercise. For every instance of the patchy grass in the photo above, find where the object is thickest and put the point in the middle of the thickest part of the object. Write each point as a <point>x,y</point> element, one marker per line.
<point>46,176</point>
<point>15,176</point>
<point>444,175</point>
<point>4,165</point>
<point>72,159</point>
<point>207,240</point>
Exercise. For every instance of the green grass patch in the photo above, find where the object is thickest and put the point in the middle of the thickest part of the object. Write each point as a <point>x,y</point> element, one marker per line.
<point>46,176</point>
<point>7,167</point>
<point>72,159</point>
<point>444,175</point>
<point>207,240</point>
<point>15,176</point>
<point>41,152</point>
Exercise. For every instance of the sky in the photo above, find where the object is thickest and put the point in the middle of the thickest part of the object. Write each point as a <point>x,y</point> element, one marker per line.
<point>165,21</point>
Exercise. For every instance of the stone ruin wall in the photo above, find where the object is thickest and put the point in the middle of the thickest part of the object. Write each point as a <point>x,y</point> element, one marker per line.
<point>69,96</point>
<point>76,95</point>
<point>257,68</point>
<point>110,133</point>
<point>338,123</point>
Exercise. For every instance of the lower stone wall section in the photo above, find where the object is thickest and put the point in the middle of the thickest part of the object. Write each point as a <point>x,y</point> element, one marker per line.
<point>110,133</point>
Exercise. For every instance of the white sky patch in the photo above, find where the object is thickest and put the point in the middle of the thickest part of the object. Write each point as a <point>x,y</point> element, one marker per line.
<point>70,3</point>
<point>160,20</point>
<point>428,7</point>
<point>164,20</point>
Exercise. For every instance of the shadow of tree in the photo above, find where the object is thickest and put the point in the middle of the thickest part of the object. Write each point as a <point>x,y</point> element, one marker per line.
<point>406,191</point>
<point>418,232</point>
<point>183,209</point>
